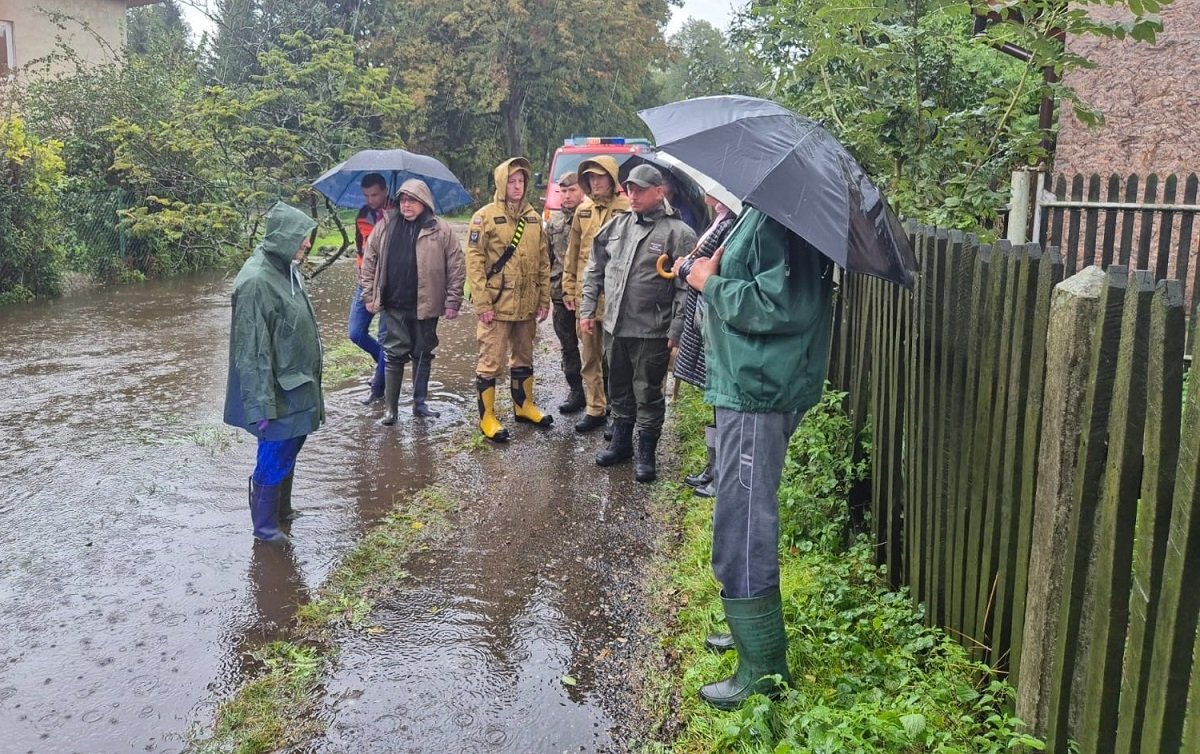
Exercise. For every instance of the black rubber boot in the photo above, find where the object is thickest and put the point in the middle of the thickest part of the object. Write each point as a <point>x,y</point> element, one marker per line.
<point>708,490</point>
<point>393,378</point>
<point>489,425</point>
<point>761,643</point>
<point>647,467</point>
<point>719,643</point>
<point>575,398</point>
<point>286,512</point>
<point>589,422</point>
<point>421,387</point>
<point>264,513</point>
<point>621,446</point>
<point>524,409</point>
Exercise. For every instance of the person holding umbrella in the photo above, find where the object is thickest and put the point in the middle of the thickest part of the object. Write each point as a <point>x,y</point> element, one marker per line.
<point>412,273</point>
<point>642,314</point>
<point>273,390</point>
<point>508,266</point>
<point>767,330</point>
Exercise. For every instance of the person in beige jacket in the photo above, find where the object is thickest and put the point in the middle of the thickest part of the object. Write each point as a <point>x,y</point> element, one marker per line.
<point>508,268</point>
<point>604,202</point>
<point>412,272</point>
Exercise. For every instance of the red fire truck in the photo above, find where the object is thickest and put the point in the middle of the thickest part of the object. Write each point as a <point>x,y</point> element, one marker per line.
<point>577,149</point>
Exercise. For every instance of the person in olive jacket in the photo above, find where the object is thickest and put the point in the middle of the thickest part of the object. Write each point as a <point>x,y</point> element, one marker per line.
<point>412,273</point>
<point>642,316</point>
<point>508,269</point>
<point>768,297</point>
<point>274,385</point>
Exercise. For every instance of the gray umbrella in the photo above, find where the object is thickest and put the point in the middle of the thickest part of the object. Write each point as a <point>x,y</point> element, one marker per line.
<point>792,170</point>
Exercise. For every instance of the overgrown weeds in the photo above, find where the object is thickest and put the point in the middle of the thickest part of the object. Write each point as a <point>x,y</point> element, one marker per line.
<point>868,675</point>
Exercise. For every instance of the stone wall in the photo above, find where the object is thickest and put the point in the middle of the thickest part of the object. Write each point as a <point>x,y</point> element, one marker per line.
<point>1147,94</point>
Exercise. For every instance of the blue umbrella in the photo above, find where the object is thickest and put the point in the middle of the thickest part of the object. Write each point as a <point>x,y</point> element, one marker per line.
<point>342,183</point>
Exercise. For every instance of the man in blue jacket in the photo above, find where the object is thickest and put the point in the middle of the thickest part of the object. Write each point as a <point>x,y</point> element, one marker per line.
<point>768,297</point>
<point>274,385</point>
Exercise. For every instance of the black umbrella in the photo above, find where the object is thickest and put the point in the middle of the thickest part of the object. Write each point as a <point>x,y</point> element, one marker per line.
<point>792,170</point>
<point>688,193</point>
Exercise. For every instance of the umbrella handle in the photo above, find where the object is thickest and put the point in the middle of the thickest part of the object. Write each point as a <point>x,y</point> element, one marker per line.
<point>663,271</point>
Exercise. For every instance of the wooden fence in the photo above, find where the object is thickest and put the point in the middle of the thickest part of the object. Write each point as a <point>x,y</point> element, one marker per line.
<point>1009,409</point>
<point>1143,222</point>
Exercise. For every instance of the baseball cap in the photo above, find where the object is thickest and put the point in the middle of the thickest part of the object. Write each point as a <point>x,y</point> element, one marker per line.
<point>645,176</point>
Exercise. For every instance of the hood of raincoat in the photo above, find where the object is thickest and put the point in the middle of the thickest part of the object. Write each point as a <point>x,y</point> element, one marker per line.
<point>417,189</point>
<point>605,163</point>
<point>287,227</point>
<point>504,170</point>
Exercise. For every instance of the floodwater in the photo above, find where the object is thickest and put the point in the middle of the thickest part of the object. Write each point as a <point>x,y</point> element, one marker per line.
<point>131,591</point>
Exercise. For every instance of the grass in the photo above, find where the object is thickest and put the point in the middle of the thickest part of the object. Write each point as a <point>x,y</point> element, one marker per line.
<point>869,676</point>
<point>275,709</point>
<point>345,362</point>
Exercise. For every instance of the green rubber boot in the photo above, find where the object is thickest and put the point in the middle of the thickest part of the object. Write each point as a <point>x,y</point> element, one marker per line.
<point>761,642</point>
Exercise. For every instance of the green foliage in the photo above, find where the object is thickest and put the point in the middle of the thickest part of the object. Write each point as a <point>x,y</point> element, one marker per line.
<point>704,62</point>
<point>819,470</point>
<point>868,675</point>
<point>493,79</point>
<point>937,116</point>
<point>31,245</point>
<point>203,178</point>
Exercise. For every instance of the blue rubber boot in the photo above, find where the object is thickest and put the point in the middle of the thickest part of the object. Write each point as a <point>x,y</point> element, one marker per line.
<point>264,512</point>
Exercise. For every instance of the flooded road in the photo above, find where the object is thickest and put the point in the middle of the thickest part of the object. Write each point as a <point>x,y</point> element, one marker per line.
<point>131,590</point>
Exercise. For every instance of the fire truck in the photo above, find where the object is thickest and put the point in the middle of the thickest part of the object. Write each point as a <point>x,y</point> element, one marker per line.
<point>579,148</point>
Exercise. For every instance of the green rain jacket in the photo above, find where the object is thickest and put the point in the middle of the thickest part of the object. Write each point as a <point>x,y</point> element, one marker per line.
<point>274,346</point>
<point>768,320</point>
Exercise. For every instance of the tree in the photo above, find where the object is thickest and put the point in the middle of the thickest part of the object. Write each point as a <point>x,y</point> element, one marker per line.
<point>31,170</point>
<point>492,78</point>
<point>158,27</point>
<point>705,62</point>
<point>938,116</point>
<point>204,177</point>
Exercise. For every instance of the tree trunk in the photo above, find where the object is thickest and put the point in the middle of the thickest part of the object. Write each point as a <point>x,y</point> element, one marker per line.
<point>512,110</point>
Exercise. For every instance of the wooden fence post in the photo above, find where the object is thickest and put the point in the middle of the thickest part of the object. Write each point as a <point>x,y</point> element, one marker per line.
<point>1075,613</point>
<point>1164,404</point>
<point>1050,274</point>
<point>1074,309</point>
<point>1111,561</point>
<point>1171,666</point>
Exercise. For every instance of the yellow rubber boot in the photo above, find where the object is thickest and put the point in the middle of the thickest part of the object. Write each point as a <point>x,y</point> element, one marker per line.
<point>522,395</point>
<point>489,425</point>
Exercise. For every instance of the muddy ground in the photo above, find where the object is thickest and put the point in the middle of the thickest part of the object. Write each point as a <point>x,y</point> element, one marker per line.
<point>131,592</point>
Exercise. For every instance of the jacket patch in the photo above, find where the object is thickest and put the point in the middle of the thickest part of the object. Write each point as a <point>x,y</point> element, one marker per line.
<point>500,220</point>
<point>477,220</point>
<point>585,213</point>
<point>656,247</point>
<point>474,237</point>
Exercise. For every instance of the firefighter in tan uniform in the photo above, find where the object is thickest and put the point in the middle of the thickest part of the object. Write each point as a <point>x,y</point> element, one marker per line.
<point>508,269</point>
<point>599,176</point>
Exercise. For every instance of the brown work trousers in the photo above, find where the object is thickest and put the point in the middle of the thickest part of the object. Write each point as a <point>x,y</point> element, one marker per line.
<point>498,339</point>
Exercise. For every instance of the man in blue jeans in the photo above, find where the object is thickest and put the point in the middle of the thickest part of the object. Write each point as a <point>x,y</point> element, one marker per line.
<point>374,189</point>
<point>274,385</point>
<point>768,314</point>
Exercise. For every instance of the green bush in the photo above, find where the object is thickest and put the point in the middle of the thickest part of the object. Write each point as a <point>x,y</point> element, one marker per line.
<point>31,247</point>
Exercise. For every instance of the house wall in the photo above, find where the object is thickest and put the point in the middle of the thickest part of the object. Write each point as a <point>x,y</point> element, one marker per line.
<point>35,35</point>
<point>1148,96</point>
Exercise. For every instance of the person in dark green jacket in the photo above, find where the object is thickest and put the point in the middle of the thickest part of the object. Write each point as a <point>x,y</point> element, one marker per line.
<point>767,330</point>
<point>274,385</point>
